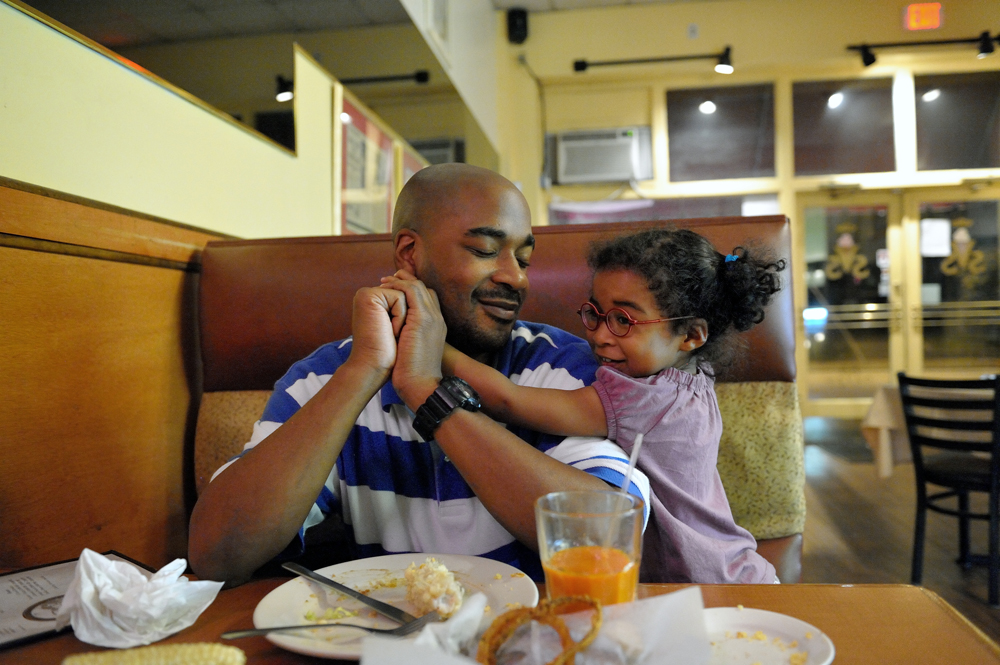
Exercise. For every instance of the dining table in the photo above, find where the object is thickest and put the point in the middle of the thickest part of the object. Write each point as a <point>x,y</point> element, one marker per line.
<point>884,425</point>
<point>867,623</point>
<point>884,429</point>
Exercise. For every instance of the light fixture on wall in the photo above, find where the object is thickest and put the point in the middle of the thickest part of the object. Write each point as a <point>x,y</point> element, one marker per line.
<point>984,42</point>
<point>724,63</point>
<point>420,76</point>
<point>985,45</point>
<point>285,89</point>
<point>867,57</point>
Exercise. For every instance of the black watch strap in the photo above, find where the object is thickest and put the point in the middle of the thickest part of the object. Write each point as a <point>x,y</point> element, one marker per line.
<point>452,393</point>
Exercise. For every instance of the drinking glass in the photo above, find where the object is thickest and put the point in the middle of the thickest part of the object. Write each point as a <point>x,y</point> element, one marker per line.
<point>590,544</point>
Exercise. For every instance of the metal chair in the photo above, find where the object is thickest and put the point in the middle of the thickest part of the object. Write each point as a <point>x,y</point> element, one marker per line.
<point>961,421</point>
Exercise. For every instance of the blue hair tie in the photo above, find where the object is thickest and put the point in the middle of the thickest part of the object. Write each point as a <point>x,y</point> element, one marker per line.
<point>731,257</point>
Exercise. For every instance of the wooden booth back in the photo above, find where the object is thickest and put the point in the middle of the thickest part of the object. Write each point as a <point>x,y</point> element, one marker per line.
<point>265,304</point>
<point>98,359</point>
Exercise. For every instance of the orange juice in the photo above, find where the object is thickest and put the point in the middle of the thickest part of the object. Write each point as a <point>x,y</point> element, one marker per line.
<point>604,573</point>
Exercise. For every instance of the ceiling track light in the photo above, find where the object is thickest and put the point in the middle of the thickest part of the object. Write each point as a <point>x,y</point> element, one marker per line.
<point>285,91</point>
<point>724,63</point>
<point>984,42</point>
<point>985,45</point>
<point>420,76</point>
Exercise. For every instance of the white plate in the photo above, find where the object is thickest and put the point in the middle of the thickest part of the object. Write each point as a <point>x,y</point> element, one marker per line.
<point>504,586</point>
<point>725,624</point>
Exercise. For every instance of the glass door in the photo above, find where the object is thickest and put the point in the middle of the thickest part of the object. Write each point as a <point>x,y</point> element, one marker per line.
<point>953,286</point>
<point>852,300</point>
<point>895,281</point>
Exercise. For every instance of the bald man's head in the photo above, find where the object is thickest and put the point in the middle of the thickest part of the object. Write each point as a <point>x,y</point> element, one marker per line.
<point>465,231</point>
<point>439,192</point>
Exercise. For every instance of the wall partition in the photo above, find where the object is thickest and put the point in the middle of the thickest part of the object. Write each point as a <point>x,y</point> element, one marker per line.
<point>374,162</point>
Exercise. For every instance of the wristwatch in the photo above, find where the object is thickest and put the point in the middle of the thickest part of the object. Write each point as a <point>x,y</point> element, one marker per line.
<point>452,393</point>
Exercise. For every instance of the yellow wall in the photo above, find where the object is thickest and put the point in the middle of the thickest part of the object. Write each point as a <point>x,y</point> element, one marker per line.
<point>468,53</point>
<point>85,124</point>
<point>778,41</point>
<point>422,116</point>
<point>89,126</point>
<point>763,33</point>
<point>237,75</point>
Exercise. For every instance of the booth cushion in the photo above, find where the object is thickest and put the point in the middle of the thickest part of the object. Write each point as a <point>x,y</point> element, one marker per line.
<point>760,456</point>
<point>225,424</point>
<point>267,303</point>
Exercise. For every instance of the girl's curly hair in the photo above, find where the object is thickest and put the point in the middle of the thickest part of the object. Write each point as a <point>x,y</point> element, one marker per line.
<point>689,278</point>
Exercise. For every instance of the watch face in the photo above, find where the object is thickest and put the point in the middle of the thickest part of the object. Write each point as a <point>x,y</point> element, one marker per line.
<point>462,391</point>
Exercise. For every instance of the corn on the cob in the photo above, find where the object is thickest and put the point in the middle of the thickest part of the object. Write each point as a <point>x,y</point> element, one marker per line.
<point>205,653</point>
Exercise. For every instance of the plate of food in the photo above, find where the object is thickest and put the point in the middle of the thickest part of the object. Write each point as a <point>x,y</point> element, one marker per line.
<point>743,635</point>
<point>384,578</point>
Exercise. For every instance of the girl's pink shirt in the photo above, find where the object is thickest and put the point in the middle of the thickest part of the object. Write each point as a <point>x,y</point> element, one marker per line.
<point>691,536</point>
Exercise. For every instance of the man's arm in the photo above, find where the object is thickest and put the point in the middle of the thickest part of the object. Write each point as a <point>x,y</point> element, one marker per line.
<point>505,472</point>
<point>566,412</point>
<point>252,510</point>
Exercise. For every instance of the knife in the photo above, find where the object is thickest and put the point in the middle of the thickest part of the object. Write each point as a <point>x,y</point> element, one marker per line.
<point>384,609</point>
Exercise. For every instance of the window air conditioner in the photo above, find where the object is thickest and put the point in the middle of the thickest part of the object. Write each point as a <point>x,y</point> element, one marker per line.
<point>606,155</point>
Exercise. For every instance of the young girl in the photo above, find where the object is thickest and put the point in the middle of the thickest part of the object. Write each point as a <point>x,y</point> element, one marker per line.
<point>663,306</point>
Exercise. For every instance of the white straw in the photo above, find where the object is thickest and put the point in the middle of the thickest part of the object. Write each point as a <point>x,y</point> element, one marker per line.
<point>631,462</point>
<point>636,445</point>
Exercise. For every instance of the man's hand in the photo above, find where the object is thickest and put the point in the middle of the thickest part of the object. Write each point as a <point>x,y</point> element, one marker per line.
<point>376,321</point>
<point>421,342</point>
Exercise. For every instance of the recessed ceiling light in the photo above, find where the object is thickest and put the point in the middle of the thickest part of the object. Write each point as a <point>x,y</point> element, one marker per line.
<point>707,107</point>
<point>931,95</point>
<point>836,99</point>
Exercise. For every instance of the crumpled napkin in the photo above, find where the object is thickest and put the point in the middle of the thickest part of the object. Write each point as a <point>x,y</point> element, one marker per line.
<point>667,628</point>
<point>455,634</point>
<point>115,604</point>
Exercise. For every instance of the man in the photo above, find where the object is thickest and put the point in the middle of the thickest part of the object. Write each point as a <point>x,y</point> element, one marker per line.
<point>338,436</point>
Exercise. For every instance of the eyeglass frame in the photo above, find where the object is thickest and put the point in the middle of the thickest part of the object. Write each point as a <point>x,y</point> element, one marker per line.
<point>603,317</point>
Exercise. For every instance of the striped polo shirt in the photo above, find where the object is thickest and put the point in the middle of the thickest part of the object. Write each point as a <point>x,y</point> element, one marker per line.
<point>399,494</point>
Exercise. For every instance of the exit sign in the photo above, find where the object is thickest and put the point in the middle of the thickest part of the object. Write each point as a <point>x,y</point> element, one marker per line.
<point>922,16</point>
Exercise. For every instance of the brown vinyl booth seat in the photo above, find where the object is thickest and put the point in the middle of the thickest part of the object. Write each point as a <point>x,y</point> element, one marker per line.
<point>265,304</point>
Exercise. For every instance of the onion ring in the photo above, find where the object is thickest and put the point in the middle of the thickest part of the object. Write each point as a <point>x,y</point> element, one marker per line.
<point>546,612</point>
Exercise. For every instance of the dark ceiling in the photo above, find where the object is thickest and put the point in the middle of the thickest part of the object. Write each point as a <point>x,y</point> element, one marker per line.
<point>125,23</point>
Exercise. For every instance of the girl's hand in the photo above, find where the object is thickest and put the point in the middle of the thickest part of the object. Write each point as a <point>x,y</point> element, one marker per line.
<point>400,275</point>
<point>417,370</point>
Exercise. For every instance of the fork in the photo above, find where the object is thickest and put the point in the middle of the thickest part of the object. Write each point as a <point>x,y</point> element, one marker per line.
<point>399,631</point>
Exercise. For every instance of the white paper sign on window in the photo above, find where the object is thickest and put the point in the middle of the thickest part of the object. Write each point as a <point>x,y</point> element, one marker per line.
<point>935,237</point>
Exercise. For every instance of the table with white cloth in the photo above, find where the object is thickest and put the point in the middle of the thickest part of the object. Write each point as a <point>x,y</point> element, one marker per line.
<point>884,428</point>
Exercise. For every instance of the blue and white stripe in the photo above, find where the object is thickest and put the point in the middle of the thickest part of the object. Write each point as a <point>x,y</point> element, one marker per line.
<point>399,493</point>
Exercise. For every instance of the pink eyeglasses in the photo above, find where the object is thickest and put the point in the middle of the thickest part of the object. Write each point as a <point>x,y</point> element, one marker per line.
<point>617,319</point>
